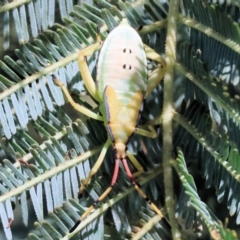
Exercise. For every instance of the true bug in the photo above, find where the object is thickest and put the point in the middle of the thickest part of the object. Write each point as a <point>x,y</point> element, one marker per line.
<point>121,85</point>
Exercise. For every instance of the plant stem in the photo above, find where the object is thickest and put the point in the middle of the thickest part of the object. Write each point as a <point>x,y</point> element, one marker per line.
<point>207,145</point>
<point>12,5</point>
<point>153,27</point>
<point>233,112</point>
<point>167,116</point>
<point>210,32</point>
<point>147,227</point>
<point>48,174</point>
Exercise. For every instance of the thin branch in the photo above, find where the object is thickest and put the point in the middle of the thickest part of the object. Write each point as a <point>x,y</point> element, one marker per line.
<point>167,116</point>
<point>153,27</point>
<point>210,32</point>
<point>47,70</point>
<point>219,101</point>
<point>53,172</point>
<point>147,227</point>
<point>12,5</point>
<point>138,3</point>
<point>195,201</point>
<point>50,69</point>
<point>207,145</point>
<point>43,146</point>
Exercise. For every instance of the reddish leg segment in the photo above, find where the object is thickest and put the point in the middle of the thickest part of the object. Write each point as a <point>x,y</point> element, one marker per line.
<point>107,191</point>
<point>137,187</point>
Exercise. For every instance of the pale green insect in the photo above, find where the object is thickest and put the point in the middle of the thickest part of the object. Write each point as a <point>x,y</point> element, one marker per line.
<point>121,85</point>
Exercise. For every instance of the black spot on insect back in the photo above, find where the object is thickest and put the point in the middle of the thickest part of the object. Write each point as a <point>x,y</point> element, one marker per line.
<point>125,50</point>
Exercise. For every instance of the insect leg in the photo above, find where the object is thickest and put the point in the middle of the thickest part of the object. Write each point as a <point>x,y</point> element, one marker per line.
<point>75,105</point>
<point>98,34</point>
<point>107,191</point>
<point>152,133</point>
<point>138,188</point>
<point>95,167</point>
<point>84,70</point>
<point>136,164</point>
<point>158,74</point>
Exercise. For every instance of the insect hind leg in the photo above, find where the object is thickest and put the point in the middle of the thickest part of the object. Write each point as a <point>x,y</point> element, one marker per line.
<point>136,164</point>
<point>151,134</point>
<point>75,105</point>
<point>106,192</point>
<point>138,188</point>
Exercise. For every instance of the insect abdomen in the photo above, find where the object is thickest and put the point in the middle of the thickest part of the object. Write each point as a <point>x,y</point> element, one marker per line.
<point>122,61</point>
<point>122,76</point>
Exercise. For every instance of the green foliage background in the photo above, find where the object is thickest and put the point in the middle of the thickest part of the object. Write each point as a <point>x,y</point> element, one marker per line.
<point>192,168</point>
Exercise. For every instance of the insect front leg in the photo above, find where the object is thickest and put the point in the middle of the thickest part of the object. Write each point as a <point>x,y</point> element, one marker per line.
<point>158,74</point>
<point>84,69</point>
<point>87,78</point>
<point>75,105</point>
